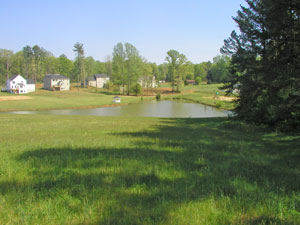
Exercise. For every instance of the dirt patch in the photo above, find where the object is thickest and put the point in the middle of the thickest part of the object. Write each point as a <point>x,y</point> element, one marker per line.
<point>222,98</point>
<point>155,91</point>
<point>14,98</point>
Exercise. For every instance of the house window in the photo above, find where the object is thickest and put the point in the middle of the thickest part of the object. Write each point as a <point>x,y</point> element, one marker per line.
<point>13,82</point>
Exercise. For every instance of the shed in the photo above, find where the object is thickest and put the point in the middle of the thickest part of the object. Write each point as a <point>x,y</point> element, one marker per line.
<point>117,99</point>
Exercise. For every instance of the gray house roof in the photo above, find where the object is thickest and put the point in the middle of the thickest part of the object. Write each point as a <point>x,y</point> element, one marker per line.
<point>56,77</point>
<point>30,81</point>
<point>95,76</point>
<point>90,78</point>
<point>101,76</point>
<point>13,77</point>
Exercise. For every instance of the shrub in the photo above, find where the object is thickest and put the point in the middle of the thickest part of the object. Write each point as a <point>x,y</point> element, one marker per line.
<point>107,85</point>
<point>198,80</point>
<point>218,105</point>
<point>158,97</point>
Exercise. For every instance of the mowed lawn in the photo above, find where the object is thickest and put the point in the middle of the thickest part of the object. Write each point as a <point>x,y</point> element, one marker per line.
<point>76,98</point>
<point>109,170</point>
<point>92,98</point>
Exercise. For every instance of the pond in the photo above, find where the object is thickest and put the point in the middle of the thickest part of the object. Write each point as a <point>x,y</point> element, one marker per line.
<point>173,109</point>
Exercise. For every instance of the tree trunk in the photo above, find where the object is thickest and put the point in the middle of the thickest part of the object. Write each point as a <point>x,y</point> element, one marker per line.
<point>7,66</point>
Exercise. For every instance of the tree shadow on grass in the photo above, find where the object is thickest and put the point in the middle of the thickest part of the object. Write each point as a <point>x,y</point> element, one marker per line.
<point>177,162</point>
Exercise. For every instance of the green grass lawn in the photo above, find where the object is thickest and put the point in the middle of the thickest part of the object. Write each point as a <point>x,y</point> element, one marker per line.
<point>205,94</point>
<point>92,98</point>
<point>110,170</point>
<point>77,98</point>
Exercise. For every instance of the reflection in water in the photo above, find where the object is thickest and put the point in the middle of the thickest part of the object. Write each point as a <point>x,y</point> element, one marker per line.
<point>144,109</point>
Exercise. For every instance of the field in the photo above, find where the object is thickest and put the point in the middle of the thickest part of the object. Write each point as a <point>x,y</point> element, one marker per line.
<point>206,94</point>
<point>109,170</point>
<point>92,98</point>
<point>76,98</point>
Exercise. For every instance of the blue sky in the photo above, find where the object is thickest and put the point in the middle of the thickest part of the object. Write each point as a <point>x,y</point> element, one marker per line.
<point>195,28</point>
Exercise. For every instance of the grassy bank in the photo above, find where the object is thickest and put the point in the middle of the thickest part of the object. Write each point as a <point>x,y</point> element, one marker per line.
<point>92,98</point>
<point>205,94</point>
<point>76,98</point>
<point>102,170</point>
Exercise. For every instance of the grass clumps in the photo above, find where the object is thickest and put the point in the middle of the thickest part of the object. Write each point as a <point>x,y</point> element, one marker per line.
<point>96,170</point>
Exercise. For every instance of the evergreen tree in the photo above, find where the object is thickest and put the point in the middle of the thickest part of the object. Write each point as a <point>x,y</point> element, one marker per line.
<point>266,62</point>
<point>78,49</point>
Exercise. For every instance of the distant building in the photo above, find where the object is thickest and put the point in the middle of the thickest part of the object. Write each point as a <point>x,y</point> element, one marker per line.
<point>97,80</point>
<point>56,82</point>
<point>192,82</point>
<point>30,85</point>
<point>236,88</point>
<point>147,82</point>
<point>117,99</point>
<point>19,85</point>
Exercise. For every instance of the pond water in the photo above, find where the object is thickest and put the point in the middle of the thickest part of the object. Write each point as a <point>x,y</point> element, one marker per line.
<point>173,109</point>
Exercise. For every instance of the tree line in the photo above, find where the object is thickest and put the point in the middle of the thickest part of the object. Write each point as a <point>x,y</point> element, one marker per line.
<point>265,63</point>
<point>125,66</point>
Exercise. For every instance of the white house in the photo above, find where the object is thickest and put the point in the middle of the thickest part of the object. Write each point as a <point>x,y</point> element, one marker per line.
<point>56,82</point>
<point>19,85</point>
<point>97,80</point>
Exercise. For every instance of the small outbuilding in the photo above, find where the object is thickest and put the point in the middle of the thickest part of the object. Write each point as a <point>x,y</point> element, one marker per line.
<point>117,99</point>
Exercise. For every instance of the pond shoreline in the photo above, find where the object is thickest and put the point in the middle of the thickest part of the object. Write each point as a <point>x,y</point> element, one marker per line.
<point>181,99</point>
<point>163,108</point>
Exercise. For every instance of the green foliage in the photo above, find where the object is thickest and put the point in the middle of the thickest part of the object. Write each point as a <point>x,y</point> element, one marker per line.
<point>107,85</point>
<point>80,63</point>
<point>218,105</point>
<point>176,68</point>
<point>6,59</point>
<point>162,71</point>
<point>65,66</point>
<point>219,70</point>
<point>265,63</point>
<point>127,65</point>
<point>158,96</point>
<point>137,89</point>
<point>198,80</point>
<point>200,70</point>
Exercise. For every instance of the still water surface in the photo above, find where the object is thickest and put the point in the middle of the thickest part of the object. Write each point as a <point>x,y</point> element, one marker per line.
<point>171,109</point>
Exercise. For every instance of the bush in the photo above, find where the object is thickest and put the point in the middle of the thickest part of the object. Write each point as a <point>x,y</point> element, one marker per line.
<point>198,80</point>
<point>107,85</point>
<point>158,97</point>
<point>218,105</point>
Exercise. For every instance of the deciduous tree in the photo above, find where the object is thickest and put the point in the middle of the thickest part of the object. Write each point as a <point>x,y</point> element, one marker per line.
<point>175,68</point>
